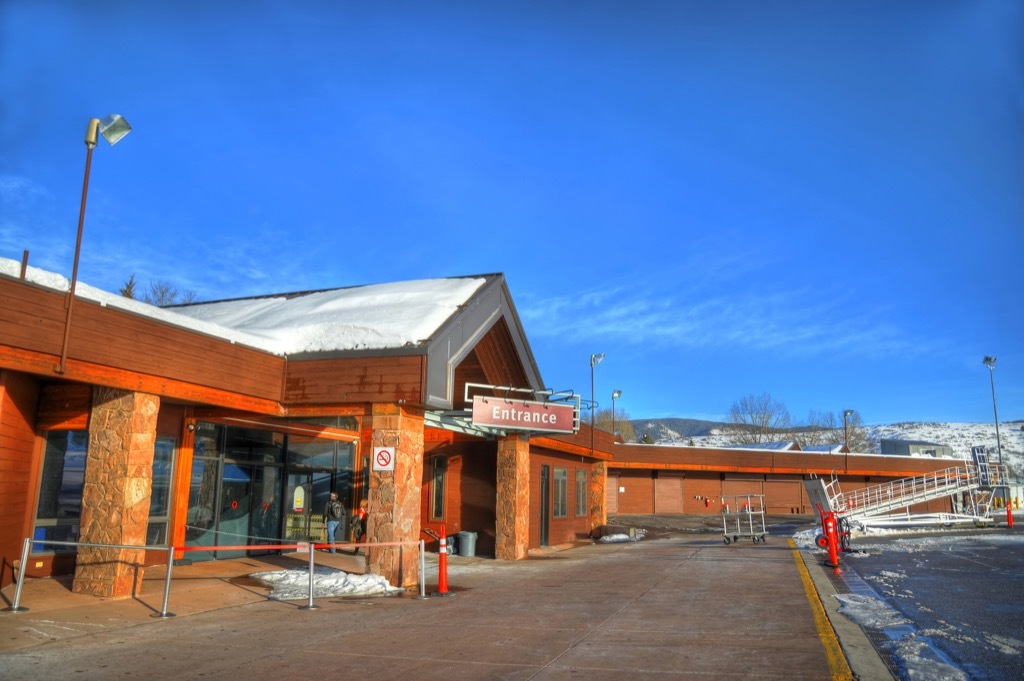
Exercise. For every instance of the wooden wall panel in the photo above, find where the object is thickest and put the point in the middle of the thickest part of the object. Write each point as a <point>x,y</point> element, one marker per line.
<point>370,379</point>
<point>668,493</point>
<point>18,397</point>
<point>560,530</point>
<point>32,319</point>
<point>636,493</point>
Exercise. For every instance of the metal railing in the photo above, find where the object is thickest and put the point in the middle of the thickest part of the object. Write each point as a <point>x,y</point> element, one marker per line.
<point>906,491</point>
<point>298,547</point>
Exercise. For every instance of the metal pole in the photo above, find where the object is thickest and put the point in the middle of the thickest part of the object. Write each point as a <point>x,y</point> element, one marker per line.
<point>423,570</point>
<point>74,269</point>
<point>312,555</point>
<point>16,606</point>
<point>995,411</point>
<point>167,585</point>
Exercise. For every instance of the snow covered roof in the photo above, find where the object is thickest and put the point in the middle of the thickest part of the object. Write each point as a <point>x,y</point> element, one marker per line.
<point>441,319</point>
<point>790,446</point>
<point>371,317</point>
<point>825,449</point>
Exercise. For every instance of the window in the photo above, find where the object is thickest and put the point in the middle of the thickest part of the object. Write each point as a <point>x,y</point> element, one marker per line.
<point>561,507</point>
<point>160,500</point>
<point>60,489</point>
<point>581,491</point>
<point>440,471</point>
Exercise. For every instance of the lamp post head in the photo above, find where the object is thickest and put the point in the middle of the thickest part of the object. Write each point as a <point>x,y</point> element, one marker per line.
<point>616,394</point>
<point>596,359</point>
<point>990,362</point>
<point>113,128</point>
<point>847,413</point>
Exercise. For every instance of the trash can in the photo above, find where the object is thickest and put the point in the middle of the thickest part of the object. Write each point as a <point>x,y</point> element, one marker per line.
<point>467,544</point>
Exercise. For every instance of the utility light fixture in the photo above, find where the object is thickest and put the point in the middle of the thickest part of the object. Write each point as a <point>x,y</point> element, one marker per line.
<point>113,128</point>
<point>616,394</point>
<point>594,361</point>
<point>990,362</point>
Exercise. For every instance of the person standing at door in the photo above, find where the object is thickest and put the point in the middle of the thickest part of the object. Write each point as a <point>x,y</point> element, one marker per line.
<point>334,516</point>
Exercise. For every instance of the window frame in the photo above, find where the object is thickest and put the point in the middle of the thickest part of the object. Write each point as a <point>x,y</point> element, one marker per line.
<point>560,492</point>
<point>581,492</point>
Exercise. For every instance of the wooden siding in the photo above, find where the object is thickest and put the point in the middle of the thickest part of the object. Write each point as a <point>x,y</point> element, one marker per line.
<point>369,379</point>
<point>470,494</point>
<point>18,396</point>
<point>64,406</point>
<point>668,493</point>
<point>106,341</point>
<point>571,528</point>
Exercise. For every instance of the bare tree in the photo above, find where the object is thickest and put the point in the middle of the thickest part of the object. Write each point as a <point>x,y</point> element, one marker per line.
<point>829,428</point>
<point>128,290</point>
<point>603,420</point>
<point>757,420</point>
<point>160,293</point>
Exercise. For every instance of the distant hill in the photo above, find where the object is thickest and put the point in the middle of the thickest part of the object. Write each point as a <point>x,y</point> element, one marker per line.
<point>961,437</point>
<point>662,430</point>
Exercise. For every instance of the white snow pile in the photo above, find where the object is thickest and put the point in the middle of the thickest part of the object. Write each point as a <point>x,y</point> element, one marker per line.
<point>620,537</point>
<point>290,585</point>
<point>869,611</point>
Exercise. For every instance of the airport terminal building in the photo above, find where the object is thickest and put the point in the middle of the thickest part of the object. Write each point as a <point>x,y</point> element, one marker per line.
<point>227,424</point>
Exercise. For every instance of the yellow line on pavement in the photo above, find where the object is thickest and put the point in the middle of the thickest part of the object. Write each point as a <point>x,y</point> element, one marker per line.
<point>836,660</point>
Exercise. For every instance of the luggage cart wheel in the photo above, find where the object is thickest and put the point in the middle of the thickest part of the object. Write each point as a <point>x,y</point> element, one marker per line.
<point>727,540</point>
<point>755,539</point>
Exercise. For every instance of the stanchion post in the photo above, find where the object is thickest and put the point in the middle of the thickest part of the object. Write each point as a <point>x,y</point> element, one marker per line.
<point>16,606</point>
<point>442,564</point>
<point>423,570</point>
<point>312,555</point>
<point>167,585</point>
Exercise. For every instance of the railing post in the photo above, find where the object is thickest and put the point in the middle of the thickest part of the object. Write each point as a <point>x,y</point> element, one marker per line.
<point>167,585</point>
<point>423,570</point>
<point>312,554</point>
<point>16,606</point>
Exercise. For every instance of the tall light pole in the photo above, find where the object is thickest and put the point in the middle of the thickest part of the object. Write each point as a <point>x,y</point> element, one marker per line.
<point>616,394</point>
<point>990,362</point>
<point>113,128</point>
<point>847,413</point>
<point>594,361</point>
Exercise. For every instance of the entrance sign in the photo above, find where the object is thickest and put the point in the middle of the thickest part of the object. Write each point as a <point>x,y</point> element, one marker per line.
<point>523,414</point>
<point>383,458</point>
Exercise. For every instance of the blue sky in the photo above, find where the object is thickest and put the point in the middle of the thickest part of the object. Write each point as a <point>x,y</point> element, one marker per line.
<point>817,200</point>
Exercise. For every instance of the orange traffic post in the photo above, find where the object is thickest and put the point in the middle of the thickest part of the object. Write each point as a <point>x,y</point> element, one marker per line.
<point>442,564</point>
<point>1009,515</point>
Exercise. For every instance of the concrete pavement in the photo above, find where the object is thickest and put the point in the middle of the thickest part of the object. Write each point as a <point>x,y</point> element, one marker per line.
<point>678,605</point>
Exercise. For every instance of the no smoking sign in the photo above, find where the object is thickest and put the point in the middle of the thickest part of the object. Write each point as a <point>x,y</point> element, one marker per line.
<point>384,458</point>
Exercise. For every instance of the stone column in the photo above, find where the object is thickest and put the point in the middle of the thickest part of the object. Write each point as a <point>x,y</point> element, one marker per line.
<point>116,491</point>
<point>598,495</point>
<point>512,540</point>
<point>394,498</point>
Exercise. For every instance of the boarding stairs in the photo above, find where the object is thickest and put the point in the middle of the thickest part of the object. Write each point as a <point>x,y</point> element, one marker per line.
<point>970,486</point>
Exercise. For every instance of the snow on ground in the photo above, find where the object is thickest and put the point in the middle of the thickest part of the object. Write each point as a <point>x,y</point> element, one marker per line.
<point>290,585</point>
<point>906,644</point>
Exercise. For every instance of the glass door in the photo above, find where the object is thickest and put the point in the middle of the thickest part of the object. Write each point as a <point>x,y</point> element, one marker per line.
<point>308,491</point>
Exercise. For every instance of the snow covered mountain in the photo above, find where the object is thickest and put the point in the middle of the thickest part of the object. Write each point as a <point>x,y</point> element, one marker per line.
<point>959,436</point>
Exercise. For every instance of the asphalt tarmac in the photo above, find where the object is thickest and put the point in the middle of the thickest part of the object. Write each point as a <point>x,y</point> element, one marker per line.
<point>678,604</point>
<point>961,590</point>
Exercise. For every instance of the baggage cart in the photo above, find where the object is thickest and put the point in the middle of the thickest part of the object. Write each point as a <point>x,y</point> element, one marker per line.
<point>743,516</point>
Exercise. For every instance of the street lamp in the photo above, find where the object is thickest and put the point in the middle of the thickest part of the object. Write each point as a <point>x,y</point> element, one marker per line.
<point>847,413</point>
<point>113,128</point>
<point>990,362</point>
<point>616,394</point>
<point>594,361</point>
